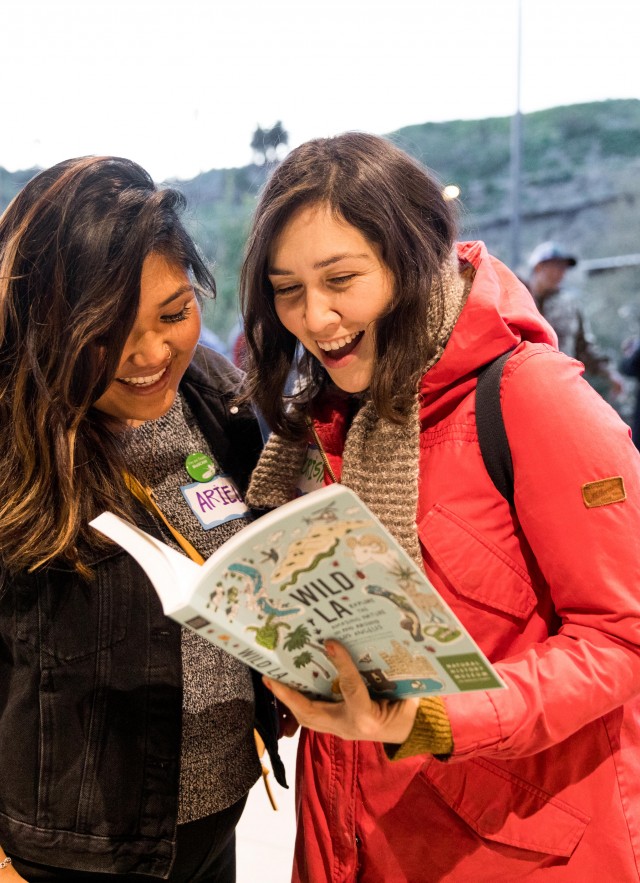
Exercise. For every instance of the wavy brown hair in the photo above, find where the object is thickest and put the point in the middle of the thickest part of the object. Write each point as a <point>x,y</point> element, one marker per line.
<point>397,206</point>
<point>72,246</point>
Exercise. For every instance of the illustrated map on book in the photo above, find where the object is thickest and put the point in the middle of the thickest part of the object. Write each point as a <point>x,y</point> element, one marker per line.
<point>322,566</point>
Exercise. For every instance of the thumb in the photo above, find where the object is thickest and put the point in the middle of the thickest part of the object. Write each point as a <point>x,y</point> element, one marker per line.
<point>351,683</point>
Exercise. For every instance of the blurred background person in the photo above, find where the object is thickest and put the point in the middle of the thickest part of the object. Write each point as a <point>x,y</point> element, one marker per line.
<point>561,307</point>
<point>630,365</point>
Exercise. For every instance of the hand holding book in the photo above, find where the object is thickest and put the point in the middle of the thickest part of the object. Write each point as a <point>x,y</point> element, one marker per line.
<point>358,716</point>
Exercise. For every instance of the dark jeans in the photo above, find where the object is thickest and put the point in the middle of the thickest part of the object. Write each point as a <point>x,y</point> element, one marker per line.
<point>206,853</point>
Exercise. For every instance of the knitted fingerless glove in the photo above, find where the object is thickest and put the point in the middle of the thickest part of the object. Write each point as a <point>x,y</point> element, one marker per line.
<point>431,733</point>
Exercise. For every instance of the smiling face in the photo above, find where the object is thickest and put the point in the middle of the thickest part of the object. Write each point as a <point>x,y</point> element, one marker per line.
<point>330,286</point>
<point>159,347</point>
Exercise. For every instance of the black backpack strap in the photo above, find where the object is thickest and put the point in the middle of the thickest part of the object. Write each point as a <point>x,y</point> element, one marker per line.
<point>492,435</point>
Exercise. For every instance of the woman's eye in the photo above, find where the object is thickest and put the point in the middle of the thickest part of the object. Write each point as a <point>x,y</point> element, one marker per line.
<point>341,280</point>
<point>184,313</point>
<point>286,289</point>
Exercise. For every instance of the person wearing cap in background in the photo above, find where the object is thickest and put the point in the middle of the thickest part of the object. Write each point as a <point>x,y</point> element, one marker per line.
<point>561,307</point>
<point>630,366</point>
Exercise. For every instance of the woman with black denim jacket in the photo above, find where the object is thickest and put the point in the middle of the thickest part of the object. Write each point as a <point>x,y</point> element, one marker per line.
<point>127,743</point>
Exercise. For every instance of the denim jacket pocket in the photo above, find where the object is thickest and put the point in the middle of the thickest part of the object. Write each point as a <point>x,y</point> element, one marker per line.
<point>69,619</point>
<point>475,567</point>
<point>501,807</point>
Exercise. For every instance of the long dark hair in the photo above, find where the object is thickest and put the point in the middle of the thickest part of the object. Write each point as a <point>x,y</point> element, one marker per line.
<point>72,246</point>
<point>398,206</point>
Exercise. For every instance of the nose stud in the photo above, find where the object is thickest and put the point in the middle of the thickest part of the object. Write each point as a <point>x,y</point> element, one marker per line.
<point>169,353</point>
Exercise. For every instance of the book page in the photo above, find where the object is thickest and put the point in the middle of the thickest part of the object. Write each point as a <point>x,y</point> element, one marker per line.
<point>171,572</point>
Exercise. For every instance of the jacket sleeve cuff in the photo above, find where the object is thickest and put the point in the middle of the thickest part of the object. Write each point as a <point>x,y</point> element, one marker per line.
<point>431,733</point>
<point>475,721</point>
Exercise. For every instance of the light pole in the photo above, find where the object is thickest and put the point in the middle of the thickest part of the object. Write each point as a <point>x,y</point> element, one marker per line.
<point>516,151</point>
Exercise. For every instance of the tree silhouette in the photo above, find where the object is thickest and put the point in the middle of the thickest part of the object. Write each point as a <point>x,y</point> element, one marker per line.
<point>258,145</point>
<point>269,145</point>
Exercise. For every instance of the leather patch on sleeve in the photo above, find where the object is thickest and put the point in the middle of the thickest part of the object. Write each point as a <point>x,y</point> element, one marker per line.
<point>601,493</point>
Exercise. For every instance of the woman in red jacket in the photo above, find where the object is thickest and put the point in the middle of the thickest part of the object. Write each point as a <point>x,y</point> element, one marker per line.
<point>353,255</point>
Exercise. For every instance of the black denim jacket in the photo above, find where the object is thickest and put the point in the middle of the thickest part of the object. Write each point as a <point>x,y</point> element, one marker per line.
<point>90,689</point>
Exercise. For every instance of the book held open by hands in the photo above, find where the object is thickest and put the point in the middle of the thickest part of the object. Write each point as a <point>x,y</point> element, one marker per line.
<point>322,566</point>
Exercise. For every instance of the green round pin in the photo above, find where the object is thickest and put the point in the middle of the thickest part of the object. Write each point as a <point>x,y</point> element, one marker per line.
<point>201,467</point>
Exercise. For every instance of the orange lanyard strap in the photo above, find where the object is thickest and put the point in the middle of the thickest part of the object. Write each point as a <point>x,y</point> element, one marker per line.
<point>145,496</point>
<point>260,748</point>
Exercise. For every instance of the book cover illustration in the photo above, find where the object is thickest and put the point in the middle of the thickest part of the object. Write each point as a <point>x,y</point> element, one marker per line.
<point>320,567</point>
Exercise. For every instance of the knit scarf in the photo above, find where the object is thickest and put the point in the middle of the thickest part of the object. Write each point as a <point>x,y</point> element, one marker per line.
<point>378,455</point>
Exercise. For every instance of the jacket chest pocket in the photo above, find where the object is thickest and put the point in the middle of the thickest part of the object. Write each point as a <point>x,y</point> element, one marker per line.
<point>475,568</point>
<point>70,619</point>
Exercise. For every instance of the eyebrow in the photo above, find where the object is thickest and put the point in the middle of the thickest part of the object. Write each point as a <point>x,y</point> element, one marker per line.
<point>179,291</point>
<point>320,265</point>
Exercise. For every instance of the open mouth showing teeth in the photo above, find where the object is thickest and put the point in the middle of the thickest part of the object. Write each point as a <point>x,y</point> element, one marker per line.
<point>142,381</point>
<point>336,349</point>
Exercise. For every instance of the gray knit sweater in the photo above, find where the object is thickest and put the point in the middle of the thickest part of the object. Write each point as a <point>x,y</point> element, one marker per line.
<point>218,758</point>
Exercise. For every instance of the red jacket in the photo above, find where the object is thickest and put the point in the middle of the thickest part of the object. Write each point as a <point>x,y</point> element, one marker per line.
<point>544,781</point>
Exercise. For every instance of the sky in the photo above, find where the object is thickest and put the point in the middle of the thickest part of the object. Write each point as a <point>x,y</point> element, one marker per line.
<point>180,86</point>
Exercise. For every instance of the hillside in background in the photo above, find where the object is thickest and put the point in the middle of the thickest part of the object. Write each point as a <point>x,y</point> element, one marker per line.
<point>580,185</point>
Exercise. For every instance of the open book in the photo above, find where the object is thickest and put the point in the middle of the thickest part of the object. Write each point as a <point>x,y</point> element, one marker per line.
<point>321,566</point>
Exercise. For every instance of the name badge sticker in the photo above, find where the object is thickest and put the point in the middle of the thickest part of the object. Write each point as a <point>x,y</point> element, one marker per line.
<point>312,475</point>
<point>214,502</point>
